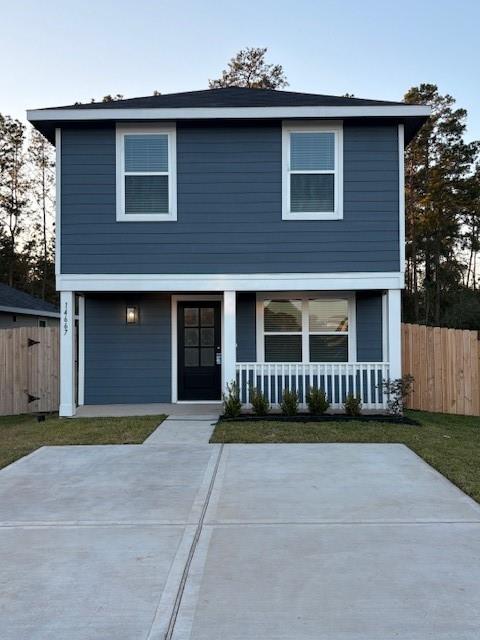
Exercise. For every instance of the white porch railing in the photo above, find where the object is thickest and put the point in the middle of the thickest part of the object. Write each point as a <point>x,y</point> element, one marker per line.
<point>337,379</point>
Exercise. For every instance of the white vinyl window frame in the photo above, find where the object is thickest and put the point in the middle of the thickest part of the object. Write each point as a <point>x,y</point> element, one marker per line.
<point>305,298</point>
<point>335,127</point>
<point>145,129</point>
<point>296,298</point>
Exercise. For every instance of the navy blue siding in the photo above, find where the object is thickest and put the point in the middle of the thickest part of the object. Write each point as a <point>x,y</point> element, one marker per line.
<point>369,326</point>
<point>229,206</point>
<point>127,363</point>
<point>246,327</point>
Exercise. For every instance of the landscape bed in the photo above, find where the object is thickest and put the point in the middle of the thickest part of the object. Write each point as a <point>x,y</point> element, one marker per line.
<point>329,417</point>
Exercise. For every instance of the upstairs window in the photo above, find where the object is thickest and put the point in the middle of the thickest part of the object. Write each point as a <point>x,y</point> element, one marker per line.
<point>146,174</point>
<point>312,172</point>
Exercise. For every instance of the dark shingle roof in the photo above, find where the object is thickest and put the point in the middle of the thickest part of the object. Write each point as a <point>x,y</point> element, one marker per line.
<point>10,297</point>
<point>233,97</point>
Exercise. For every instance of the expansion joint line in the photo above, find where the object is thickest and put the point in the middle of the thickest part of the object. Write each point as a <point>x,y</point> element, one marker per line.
<point>198,531</point>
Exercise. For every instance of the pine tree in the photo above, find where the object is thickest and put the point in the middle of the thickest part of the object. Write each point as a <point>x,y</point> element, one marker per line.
<point>249,69</point>
<point>14,186</point>
<point>42,161</point>
<point>438,163</point>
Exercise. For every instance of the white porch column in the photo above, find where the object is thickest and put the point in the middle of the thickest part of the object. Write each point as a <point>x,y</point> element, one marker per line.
<point>229,337</point>
<point>67,354</point>
<point>394,319</point>
<point>81,350</point>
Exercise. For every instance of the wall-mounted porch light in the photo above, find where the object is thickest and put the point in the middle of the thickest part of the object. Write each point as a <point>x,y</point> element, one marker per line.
<point>132,314</point>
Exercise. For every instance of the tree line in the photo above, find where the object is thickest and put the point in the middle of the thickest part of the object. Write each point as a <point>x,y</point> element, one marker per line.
<point>442,202</point>
<point>27,202</point>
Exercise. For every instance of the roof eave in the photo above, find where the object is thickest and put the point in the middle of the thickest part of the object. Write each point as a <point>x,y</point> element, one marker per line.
<point>45,120</point>
<point>205,113</point>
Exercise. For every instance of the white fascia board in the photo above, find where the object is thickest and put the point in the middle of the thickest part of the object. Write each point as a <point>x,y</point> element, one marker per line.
<point>395,111</point>
<point>233,282</point>
<point>29,312</point>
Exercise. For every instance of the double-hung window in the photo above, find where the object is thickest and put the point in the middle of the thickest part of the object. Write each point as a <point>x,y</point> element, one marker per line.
<point>306,328</point>
<point>146,173</point>
<point>312,171</point>
<point>283,330</point>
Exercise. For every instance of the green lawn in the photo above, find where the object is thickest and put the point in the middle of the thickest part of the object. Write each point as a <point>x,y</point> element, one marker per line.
<point>20,435</point>
<point>449,443</point>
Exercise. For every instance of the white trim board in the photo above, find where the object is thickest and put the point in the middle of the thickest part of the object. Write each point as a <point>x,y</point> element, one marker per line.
<point>204,113</point>
<point>81,350</point>
<point>58,199</point>
<point>401,194</point>
<point>231,282</point>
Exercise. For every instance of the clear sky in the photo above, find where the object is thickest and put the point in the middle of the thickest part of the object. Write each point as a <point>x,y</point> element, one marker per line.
<point>56,52</point>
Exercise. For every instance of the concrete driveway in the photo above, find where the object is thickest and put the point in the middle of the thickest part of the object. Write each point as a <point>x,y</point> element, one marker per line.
<point>270,542</point>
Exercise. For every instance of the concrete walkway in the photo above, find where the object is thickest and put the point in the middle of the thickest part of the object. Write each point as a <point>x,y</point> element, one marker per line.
<point>269,542</point>
<point>182,430</point>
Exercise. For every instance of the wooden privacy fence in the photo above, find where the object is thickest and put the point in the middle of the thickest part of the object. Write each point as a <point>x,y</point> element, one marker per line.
<point>29,370</point>
<point>445,364</point>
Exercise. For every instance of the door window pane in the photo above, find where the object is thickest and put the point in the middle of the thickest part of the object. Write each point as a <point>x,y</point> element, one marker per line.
<point>207,337</point>
<point>333,348</point>
<point>191,337</point>
<point>328,315</point>
<point>191,316</point>
<point>191,357</point>
<point>312,192</point>
<point>207,357</point>
<point>207,316</point>
<point>283,348</point>
<point>283,315</point>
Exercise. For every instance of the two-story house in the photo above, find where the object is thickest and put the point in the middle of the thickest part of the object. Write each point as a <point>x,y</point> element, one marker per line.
<point>229,234</point>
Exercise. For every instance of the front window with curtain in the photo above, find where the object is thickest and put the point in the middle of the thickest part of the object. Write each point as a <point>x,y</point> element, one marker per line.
<point>312,173</point>
<point>328,330</point>
<point>306,330</point>
<point>145,174</point>
<point>283,330</point>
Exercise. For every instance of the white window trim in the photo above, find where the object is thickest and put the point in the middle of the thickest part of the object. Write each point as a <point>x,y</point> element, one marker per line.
<point>121,132</point>
<point>335,127</point>
<point>305,297</point>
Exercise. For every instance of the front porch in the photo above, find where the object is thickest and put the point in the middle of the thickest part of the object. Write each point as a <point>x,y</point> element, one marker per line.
<point>340,341</point>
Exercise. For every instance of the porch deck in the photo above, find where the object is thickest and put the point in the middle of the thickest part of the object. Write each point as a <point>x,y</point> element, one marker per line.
<point>178,410</point>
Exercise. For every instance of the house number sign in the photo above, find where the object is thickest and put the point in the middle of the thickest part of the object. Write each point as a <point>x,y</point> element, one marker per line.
<point>65,319</point>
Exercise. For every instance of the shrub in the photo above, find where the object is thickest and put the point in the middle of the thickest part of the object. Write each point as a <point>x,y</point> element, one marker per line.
<point>398,391</point>
<point>259,401</point>
<point>289,403</point>
<point>317,401</point>
<point>231,401</point>
<point>353,405</point>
